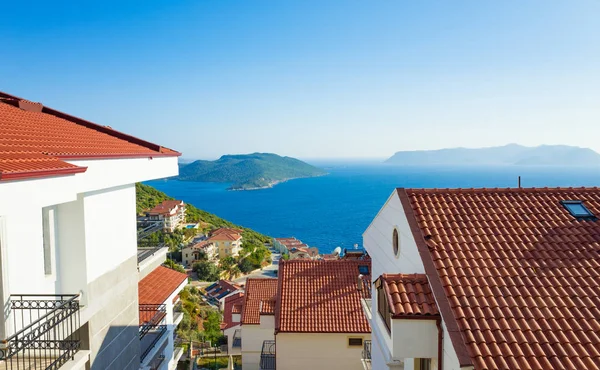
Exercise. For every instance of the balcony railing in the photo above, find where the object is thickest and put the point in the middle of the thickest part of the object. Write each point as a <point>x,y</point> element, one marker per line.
<point>45,331</point>
<point>267,355</point>
<point>152,327</point>
<point>237,339</point>
<point>366,354</point>
<point>144,252</point>
<point>155,365</point>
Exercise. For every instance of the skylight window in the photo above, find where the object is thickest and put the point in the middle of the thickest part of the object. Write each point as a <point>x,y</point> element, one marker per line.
<point>577,209</point>
<point>363,270</point>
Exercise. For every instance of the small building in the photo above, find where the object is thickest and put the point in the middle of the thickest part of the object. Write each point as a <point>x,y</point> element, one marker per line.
<point>191,253</point>
<point>227,241</point>
<point>295,248</point>
<point>319,321</point>
<point>231,324</point>
<point>218,291</point>
<point>258,322</point>
<point>169,214</point>
<point>160,313</point>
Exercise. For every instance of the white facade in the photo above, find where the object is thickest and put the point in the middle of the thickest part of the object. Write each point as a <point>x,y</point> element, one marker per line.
<point>299,351</point>
<point>253,337</point>
<point>76,234</point>
<point>408,339</point>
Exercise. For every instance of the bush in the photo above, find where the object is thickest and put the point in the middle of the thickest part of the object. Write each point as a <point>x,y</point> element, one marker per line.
<point>246,266</point>
<point>207,271</point>
<point>174,266</point>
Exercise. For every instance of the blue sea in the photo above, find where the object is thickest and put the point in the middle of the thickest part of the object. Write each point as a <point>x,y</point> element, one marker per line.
<point>335,210</point>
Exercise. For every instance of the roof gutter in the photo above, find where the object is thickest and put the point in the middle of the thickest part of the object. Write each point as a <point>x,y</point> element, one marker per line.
<point>438,323</point>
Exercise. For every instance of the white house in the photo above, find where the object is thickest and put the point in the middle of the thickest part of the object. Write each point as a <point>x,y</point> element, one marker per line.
<point>227,241</point>
<point>68,237</point>
<point>258,320</point>
<point>169,214</point>
<point>160,313</point>
<point>231,325</point>
<point>191,253</point>
<point>485,279</point>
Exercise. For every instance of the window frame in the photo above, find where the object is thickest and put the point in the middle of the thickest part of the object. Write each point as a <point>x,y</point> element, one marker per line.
<point>588,216</point>
<point>383,304</point>
<point>396,242</point>
<point>49,240</point>
<point>362,341</point>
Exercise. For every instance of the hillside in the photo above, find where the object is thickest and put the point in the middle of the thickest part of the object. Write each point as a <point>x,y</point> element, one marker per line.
<point>248,171</point>
<point>512,154</point>
<point>147,197</point>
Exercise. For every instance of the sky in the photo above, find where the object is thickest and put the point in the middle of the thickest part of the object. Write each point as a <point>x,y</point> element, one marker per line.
<point>313,78</point>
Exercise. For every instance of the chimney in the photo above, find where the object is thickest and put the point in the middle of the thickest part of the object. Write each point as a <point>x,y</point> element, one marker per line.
<point>30,106</point>
<point>359,283</point>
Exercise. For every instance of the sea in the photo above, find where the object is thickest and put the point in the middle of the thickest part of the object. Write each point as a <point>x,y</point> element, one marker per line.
<point>334,210</point>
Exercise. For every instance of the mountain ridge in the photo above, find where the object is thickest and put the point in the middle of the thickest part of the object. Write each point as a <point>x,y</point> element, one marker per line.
<point>510,154</point>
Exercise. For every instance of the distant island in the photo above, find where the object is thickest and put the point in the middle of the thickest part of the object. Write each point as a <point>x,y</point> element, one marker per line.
<point>248,171</point>
<point>511,154</point>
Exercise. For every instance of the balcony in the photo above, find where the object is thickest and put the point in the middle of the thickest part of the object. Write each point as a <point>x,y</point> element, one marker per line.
<point>152,328</point>
<point>366,355</point>
<point>177,313</point>
<point>144,253</point>
<point>237,339</point>
<point>155,364</point>
<point>45,331</point>
<point>267,355</point>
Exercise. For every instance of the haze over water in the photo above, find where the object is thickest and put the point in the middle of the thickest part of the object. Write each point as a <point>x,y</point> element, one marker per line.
<point>335,210</point>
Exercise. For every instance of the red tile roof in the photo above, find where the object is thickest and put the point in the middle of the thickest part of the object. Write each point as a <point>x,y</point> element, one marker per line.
<point>226,230</point>
<point>166,207</point>
<point>409,295</point>
<point>257,290</point>
<point>222,288</point>
<point>159,285</point>
<point>225,236</point>
<point>35,141</point>
<point>321,297</point>
<point>267,307</point>
<point>231,306</point>
<point>237,308</point>
<point>516,277</point>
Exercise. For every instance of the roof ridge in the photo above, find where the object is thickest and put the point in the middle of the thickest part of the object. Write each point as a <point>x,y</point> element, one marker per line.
<point>494,190</point>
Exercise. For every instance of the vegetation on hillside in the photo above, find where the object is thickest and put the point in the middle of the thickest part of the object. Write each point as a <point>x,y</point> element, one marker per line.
<point>200,321</point>
<point>148,197</point>
<point>248,171</point>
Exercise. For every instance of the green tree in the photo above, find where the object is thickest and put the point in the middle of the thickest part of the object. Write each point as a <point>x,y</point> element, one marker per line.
<point>245,266</point>
<point>212,329</point>
<point>174,266</point>
<point>207,271</point>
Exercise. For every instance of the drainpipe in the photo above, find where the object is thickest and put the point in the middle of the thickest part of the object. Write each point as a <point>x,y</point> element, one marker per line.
<point>438,323</point>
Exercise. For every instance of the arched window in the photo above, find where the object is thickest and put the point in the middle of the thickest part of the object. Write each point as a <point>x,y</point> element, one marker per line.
<point>395,242</point>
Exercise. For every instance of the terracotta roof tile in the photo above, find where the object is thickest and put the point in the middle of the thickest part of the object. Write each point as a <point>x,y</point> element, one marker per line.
<point>321,297</point>
<point>225,236</point>
<point>232,305</point>
<point>410,295</point>
<point>257,290</point>
<point>519,275</point>
<point>267,307</point>
<point>159,285</point>
<point>166,207</point>
<point>35,141</point>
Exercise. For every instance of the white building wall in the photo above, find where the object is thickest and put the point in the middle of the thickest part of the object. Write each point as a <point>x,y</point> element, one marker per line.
<point>301,351</point>
<point>377,241</point>
<point>253,337</point>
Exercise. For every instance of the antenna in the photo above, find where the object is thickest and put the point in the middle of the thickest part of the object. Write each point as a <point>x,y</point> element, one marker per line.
<point>355,246</point>
<point>519,182</point>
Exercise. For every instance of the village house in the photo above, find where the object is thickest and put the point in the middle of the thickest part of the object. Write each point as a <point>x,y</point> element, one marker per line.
<point>231,324</point>
<point>68,238</point>
<point>227,241</point>
<point>191,253</point>
<point>218,291</point>
<point>169,214</point>
<point>310,317</point>
<point>295,248</point>
<point>485,279</point>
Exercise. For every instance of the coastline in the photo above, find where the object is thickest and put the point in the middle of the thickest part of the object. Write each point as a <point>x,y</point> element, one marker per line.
<point>273,183</point>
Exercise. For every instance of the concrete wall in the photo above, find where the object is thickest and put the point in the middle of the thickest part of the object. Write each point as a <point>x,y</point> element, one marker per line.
<point>415,338</point>
<point>253,337</point>
<point>303,351</point>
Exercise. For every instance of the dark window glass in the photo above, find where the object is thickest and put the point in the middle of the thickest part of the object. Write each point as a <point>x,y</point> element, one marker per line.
<point>355,342</point>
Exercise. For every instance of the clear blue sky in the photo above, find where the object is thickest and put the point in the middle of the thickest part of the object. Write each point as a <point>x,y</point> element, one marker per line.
<point>314,78</point>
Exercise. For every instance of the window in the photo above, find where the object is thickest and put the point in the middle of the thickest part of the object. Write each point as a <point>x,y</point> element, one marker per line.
<point>423,364</point>
<point>383,307</point>
<point>49,238</point>
<point>577,209</point>
<point>355,342</point>
<point>363,270</point>
<point>395,242</point>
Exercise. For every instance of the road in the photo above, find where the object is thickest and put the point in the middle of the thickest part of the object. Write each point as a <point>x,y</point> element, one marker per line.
<point>267,272</point>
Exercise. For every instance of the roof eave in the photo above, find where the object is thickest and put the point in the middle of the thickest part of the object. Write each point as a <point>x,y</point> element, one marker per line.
<point>41,174</point>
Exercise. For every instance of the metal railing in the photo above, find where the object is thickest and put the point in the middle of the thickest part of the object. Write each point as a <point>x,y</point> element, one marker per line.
<point>45,331</point>
<point>237,339</point>
<point>155,365</point>
<point>267,355</point>
<point>366,352</point>
<point>151,328</point>
<point>142,233</point>
<point>146,252</point>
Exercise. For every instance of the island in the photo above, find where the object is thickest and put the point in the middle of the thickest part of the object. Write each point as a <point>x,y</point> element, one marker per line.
<point>511,154</point>
<point>248,171</point>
